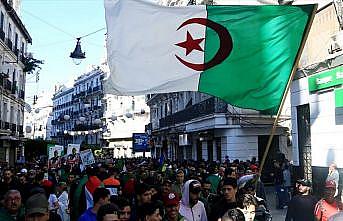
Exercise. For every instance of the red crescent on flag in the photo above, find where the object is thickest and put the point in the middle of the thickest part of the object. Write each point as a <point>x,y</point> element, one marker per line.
<point>225,46</point>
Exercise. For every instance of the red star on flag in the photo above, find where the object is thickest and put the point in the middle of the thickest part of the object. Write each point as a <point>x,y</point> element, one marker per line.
<point>191,44</point>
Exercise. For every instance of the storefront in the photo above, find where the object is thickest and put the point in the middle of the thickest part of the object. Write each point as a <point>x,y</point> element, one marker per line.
<point>317,118</point>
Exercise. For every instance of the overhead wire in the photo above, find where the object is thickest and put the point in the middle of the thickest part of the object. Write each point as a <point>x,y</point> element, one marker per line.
<point>63,31</point>
<point>49,24</point>
<point>93,32</point>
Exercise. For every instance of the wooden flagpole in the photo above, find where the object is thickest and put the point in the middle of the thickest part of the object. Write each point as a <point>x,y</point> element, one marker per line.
<point>272,133</point>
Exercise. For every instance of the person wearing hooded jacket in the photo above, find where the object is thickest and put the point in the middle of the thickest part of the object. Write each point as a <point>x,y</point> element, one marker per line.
<point>191,208</point>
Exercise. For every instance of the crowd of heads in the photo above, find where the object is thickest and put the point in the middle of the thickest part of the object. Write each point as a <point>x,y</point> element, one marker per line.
<point>147,189</point>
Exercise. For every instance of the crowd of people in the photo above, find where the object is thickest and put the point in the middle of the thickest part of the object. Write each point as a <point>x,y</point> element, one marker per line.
<point>145,189</point>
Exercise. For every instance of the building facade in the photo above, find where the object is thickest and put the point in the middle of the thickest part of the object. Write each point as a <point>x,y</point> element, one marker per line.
<point>36,121</point>
<point>13,43</point>
<point>317,97</point>
<point>124,115</point>
<point>192,125</point>
<point>77,111</point>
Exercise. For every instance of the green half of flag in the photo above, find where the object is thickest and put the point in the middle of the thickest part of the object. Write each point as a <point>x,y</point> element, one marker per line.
<point>265,44</point>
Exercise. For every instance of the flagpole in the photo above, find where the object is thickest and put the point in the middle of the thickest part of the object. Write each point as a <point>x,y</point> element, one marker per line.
<point>272,133</point>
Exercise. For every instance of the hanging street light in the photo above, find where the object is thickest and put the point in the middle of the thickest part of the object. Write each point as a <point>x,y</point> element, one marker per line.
<point>66,117</point>
<point>77,55</point>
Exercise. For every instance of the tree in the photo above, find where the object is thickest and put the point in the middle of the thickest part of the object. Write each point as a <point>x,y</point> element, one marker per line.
<point>31,65</point>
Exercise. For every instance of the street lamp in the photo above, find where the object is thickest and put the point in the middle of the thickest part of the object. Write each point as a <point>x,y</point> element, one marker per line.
<point>77,55</point>
<point>66,117</point>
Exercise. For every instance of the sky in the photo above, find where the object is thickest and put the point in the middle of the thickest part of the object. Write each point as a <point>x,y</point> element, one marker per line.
<point>54,26</point>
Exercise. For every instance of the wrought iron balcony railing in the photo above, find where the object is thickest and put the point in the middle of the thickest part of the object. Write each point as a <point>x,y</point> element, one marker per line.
<point>206,107</point>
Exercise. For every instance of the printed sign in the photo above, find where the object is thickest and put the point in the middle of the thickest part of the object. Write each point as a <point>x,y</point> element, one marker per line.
<point>87,157</point>
<point>113,191</point>
<point>73,154</point>
<point>139,142</point>
<point>71,148</point>
<point>54,152</point>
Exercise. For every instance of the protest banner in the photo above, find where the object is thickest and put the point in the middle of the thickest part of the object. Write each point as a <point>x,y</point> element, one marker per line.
<point>87,157</point>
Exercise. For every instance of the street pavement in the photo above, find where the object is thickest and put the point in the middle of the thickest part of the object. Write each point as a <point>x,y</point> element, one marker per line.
<point>278,214</point>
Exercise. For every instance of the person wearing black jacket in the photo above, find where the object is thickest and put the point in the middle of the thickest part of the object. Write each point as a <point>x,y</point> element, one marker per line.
<point>8,183</point>
<point>228,200</point>
<point>301,207</point>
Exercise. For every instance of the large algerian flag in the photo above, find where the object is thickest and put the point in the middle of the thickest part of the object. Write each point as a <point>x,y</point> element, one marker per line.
<point>242,54</point>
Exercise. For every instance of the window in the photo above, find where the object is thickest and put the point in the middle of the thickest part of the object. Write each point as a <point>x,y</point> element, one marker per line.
<point>9,36</point>
<point>2,21</point>
<point>22,47</point>
<point>16,41</point>
<point>165,109</point>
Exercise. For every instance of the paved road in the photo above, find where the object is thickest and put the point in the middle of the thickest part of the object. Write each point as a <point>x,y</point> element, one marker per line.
<point>278,214</point>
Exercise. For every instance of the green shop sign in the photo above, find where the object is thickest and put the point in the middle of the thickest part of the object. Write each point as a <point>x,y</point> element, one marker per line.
<point>339,97</point>
<point>326,79</point>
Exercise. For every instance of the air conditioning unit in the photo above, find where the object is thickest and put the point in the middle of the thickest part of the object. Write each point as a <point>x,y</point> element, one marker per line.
<point>336,43</point>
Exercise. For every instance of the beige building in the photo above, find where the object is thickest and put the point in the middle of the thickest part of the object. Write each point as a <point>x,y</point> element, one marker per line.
<point>13,43</point>
<point>323,35</point>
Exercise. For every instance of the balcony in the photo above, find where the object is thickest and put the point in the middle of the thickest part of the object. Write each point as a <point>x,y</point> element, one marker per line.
<point>97,88</point>
<point>85,127</point>
<point>206,107</point>
<point>2,35</point>
<point>9,43</point>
